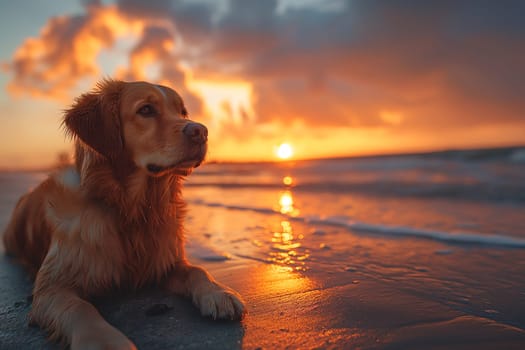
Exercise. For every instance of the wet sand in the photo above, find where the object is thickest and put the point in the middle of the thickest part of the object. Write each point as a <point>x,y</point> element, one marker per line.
<point>285,312</point>
<point>369,303</point>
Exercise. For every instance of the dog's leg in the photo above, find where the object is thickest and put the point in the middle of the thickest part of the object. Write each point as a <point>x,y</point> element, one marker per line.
<point>212,298</point>
<point>75,321</point>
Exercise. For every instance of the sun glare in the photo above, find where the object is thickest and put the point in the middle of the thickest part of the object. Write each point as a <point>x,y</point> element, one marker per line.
<point>284,151</point>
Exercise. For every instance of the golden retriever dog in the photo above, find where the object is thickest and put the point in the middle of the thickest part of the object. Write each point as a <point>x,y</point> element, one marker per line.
<point>114,219</point>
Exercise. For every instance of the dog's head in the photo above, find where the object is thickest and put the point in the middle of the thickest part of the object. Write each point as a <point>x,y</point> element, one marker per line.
<point>146,122</point>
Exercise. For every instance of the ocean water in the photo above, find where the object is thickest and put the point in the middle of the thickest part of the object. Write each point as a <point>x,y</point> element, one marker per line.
<point>458,197</point>
<point>447,227</point>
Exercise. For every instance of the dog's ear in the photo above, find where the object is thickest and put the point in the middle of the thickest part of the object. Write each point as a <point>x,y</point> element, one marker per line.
<point>94,118</point>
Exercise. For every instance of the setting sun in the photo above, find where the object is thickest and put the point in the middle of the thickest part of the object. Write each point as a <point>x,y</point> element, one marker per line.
<point>284,151</point>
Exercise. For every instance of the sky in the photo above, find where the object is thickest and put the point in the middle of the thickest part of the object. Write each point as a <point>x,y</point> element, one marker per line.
<point>330,78</point>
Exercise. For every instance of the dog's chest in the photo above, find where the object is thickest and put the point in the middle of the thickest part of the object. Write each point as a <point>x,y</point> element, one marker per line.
<point>150,252</point>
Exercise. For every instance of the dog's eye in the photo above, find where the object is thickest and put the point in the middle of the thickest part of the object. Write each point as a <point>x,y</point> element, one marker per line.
<point>147,111</point>
<point>184,112</point>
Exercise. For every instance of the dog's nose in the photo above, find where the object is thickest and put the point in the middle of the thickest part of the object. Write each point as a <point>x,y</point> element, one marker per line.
<point>196,132</point>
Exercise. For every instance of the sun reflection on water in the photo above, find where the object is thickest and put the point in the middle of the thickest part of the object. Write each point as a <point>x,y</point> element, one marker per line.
<point>282,279</point>
<point>286,248</point>
<point>286,203</point>
<point>287,180</point>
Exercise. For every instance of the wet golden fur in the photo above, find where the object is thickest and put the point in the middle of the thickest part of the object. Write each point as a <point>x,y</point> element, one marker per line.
<point>114,219</point>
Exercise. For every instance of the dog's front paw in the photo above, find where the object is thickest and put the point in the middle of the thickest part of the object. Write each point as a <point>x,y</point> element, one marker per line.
<point>220,303</point>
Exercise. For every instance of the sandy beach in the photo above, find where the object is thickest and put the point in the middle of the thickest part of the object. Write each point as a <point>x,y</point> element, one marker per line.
<point>407,272</point>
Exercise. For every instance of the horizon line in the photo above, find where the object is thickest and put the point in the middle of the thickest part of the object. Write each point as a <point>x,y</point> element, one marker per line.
<point>287,161</point>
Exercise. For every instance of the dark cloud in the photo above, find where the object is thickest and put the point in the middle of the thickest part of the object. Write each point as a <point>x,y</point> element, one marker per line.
<point>437,63</point>
<point>458,60</point>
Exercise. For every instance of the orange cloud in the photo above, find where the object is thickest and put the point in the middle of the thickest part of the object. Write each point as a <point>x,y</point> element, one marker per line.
<point>66,51</point>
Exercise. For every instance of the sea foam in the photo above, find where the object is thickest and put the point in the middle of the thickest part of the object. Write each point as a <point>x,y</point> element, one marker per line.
<point>472,238</point>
